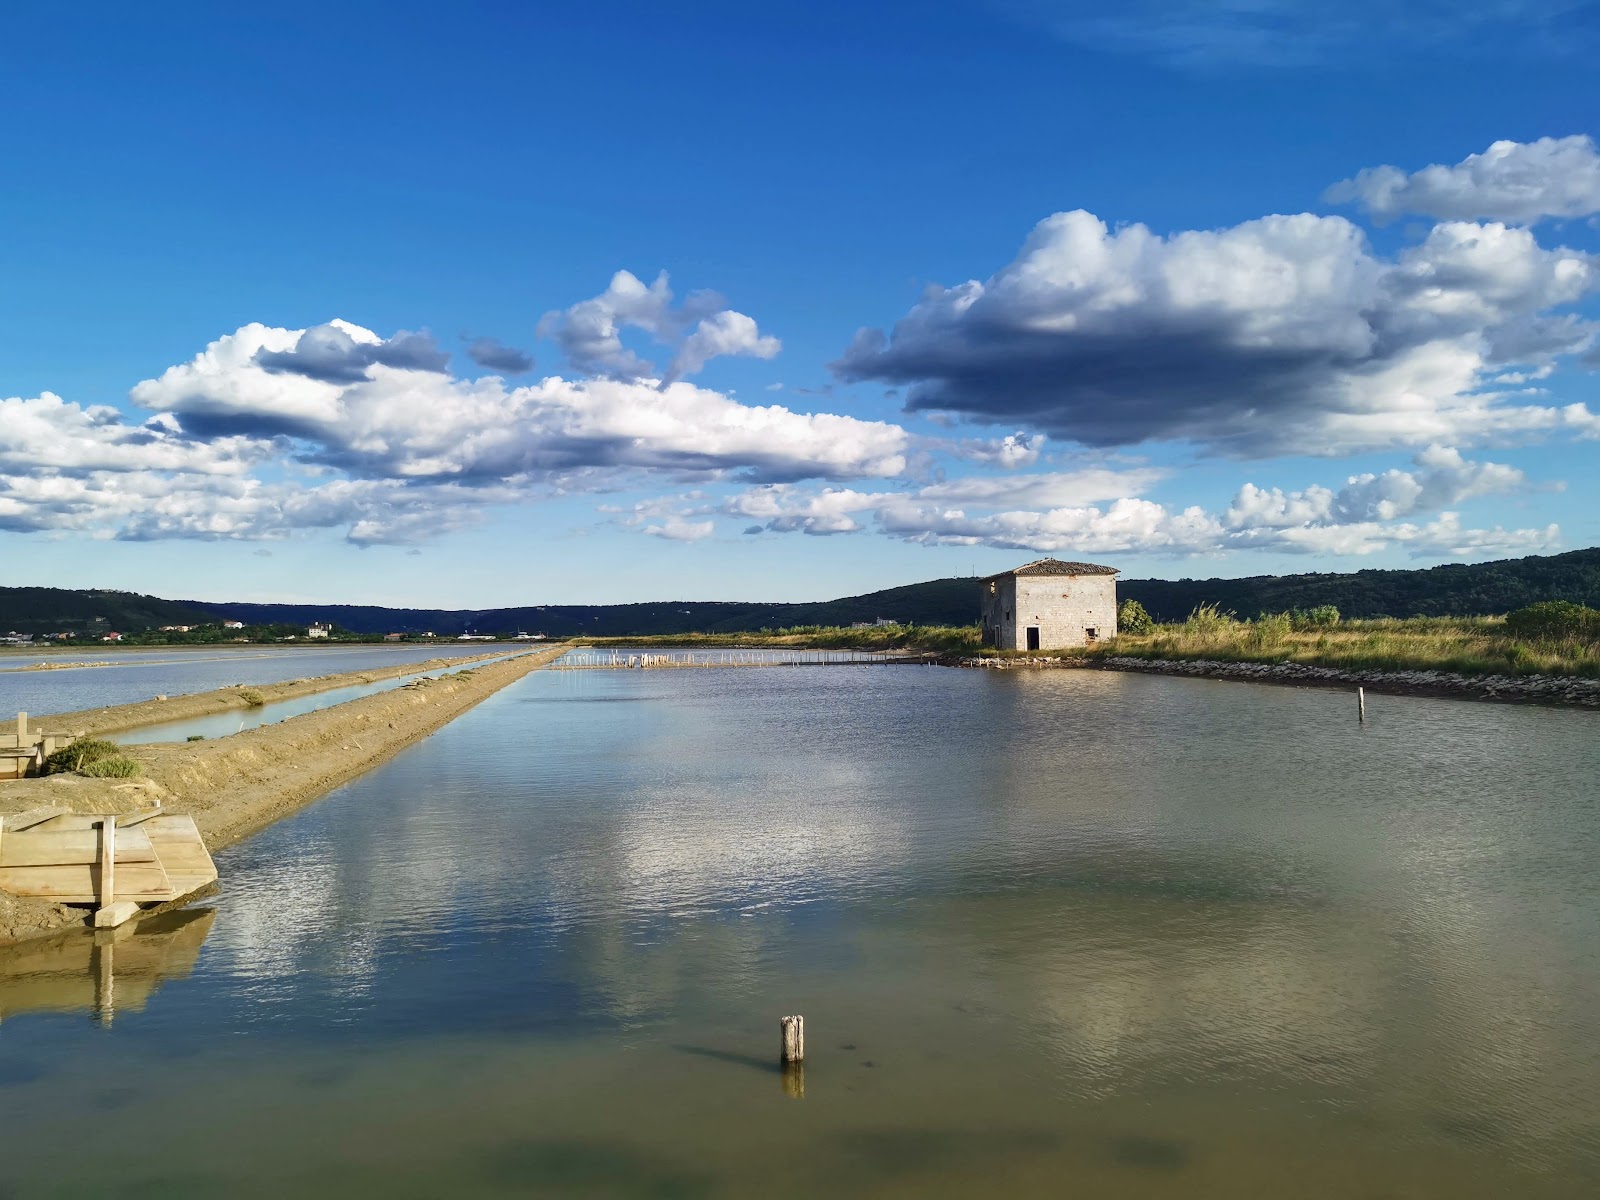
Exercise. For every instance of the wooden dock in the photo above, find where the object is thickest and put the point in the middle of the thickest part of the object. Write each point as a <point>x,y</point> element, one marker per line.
<point>115,862</point>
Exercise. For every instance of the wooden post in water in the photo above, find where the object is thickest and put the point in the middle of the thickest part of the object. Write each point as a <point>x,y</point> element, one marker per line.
<point>794,1052</point>
<point>1361,705</point>
<point>794,1038</point>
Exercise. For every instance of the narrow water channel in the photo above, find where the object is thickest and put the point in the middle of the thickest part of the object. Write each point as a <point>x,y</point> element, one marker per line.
<point>1053,934</point>
<point>239,720</point>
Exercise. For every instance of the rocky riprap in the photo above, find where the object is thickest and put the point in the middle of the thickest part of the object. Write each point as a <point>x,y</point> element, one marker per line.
<point>1538,689</point>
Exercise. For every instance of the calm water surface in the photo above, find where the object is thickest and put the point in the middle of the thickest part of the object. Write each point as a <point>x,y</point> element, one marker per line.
<point>1054,934</point>
<point>140,674</point>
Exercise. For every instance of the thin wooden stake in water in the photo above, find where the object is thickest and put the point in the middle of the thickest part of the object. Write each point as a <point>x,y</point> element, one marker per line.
<point>794,1038</point>
<point>1361,705</point>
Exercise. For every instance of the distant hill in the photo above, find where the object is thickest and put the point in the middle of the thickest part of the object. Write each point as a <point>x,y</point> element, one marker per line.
<point>938,602</point>
<point>59,610</point>
<point>1455,590</point>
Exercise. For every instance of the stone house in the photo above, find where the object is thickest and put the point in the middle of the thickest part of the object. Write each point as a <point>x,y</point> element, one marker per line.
<point>1049,605</point>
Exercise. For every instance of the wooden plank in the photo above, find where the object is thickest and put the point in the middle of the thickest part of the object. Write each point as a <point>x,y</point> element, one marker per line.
<point>79,884</point>
<point>116,914</point>
<point>49,846</point>
<point>170,827</point>
<point>106,884</point>
<point>34,816</point>
<point>183,852</point>
<point>73,820</point>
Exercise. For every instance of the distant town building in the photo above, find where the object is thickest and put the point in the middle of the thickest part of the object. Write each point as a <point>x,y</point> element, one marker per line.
<point>319,631</point>
<point>111,637</point>
<point>233,624</point>
<point>1049,605</point>
<point>393,637</point>
<point>176,628</point>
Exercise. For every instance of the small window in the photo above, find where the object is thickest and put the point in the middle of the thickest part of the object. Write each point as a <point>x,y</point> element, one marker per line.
<point>993,587</point>
<point>1008,614</point>
<point>1091,634</point>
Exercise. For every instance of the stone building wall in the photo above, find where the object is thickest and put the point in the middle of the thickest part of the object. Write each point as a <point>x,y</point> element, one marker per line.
<point>1064,608</point>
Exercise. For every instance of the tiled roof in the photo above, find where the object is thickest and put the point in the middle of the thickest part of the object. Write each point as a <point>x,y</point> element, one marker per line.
<point>1054,566</point>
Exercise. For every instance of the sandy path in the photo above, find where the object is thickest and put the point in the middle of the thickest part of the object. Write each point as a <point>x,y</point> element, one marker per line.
<point>235,785</point>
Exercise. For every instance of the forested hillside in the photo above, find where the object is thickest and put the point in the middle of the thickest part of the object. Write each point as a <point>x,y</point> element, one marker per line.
<point>59,610</point>
<point>1455,590</point>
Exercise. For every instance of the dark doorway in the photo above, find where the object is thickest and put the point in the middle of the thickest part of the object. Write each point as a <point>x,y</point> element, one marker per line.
<point>1033,637</point>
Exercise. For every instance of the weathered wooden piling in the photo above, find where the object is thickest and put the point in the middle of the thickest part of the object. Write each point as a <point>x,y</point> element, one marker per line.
<point>1361,705</point>
<point>794,1038</point>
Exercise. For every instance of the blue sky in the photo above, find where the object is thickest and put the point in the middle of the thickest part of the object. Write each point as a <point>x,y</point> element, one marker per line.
<point>1191,289</point>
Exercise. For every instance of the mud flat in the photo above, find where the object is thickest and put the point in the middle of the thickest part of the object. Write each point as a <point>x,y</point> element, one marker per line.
<point>236,785</point>
<point>1527,689</point>
<point>100,721</point>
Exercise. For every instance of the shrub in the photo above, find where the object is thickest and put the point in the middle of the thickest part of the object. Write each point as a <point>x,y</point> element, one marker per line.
<point>1133,618</point>
<point>1269,630</point>
<point>1208,621</point>
<point>252,697</point>
<point>1554,620</point>
<point>115,767</point>
<point>79,755</point>
<point>1323,616</point>
<point>195,737</point>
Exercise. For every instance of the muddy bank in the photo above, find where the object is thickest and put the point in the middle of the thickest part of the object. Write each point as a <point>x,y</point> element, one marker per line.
<point>100,721</point>
<point>1527,689</point>
<point>236,785</point>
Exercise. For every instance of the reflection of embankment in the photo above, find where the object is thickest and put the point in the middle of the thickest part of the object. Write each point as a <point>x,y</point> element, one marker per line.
<point>105,972</point>
<point>236,785</point>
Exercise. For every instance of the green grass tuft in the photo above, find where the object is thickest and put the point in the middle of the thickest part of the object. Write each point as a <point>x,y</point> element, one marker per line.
<point>79,755</point>
<point>110,768</point>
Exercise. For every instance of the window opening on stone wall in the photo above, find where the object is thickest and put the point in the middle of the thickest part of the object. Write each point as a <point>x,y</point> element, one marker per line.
<point>1091,634</point>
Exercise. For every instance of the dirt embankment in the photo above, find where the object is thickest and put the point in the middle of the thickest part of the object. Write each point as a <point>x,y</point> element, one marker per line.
<point>99,721</point>
<point>235,785</point>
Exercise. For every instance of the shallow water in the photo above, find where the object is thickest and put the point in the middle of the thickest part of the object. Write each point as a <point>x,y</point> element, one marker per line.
<point>1053,933</point>
<point>141,674</point>
<point>239,720</point>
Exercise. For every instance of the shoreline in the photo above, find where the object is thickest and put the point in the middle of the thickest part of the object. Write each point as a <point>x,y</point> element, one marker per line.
<point>237,785</point>
<point>1564,691</point>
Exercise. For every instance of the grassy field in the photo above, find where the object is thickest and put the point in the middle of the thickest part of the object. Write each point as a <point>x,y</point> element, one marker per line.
<point>1468,645</point>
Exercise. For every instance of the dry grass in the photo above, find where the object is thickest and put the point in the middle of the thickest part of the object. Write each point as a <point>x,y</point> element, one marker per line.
<point>1469,645</point>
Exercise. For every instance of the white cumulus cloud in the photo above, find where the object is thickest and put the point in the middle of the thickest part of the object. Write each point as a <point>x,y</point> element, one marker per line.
<point>700,329</point>
<point>1515,182</point>
<point>1286,334</point>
